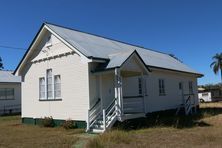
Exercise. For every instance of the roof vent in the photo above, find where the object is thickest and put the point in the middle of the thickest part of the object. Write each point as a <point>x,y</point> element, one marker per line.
<point>49,42</point>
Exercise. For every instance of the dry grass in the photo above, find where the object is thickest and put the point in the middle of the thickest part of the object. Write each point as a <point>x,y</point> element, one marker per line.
<point>201,130</point>
<point>14,134</point>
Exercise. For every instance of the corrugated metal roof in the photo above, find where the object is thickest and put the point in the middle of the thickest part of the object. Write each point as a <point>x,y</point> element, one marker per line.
<point>101,47</point>
<point>8,77</point>
<point>116,60</point>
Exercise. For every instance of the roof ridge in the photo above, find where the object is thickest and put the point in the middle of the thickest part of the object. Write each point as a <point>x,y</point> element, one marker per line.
<point>6,70</point>
<point>105,37</point>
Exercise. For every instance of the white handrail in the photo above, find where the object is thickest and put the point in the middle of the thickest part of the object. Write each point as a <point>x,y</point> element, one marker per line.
<point>94,113</point>
<point>108,115</point>
<point>188,106</point>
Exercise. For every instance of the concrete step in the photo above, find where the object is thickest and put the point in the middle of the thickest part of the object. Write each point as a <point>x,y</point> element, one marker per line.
<point>97,126</point>
<point>97,131</point>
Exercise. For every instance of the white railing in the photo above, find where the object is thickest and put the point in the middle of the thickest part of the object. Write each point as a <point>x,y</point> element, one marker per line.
<point>188,105</point>
<point>94,113</point>
<point>110,114</point>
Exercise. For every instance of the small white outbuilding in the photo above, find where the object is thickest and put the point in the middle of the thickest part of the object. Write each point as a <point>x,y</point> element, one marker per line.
<point>10,93</point>
<point>69,74</point>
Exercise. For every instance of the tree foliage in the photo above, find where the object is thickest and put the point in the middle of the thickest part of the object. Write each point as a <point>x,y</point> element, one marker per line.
<point>1,64</point>
<point>216,65</point>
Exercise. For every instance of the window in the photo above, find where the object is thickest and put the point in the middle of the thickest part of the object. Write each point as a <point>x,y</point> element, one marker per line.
<point>180,86</point>
<point>49,84</point>
<point>7,94</point>
<point>204,94</point>
<point>161,87</point>
<point>57,86</point>
<point>140,85</point>
<point>190,87</point>
<point>49,42</point>
<point>42,88</point>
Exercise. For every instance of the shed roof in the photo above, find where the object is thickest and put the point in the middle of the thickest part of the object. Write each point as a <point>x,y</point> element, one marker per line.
<point>100,47</point>
<point>8,77</point>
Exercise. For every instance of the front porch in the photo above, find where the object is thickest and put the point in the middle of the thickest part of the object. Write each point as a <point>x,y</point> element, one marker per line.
<point>130,92</point>
<point>122,93</point>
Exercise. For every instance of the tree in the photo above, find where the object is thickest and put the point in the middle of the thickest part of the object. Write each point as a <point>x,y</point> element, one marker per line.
<point>217,64</point>
<point>1,64</point>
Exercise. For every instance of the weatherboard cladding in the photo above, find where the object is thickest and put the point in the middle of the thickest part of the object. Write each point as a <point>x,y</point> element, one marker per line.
<point>8,77</point>
<point>115,51</point>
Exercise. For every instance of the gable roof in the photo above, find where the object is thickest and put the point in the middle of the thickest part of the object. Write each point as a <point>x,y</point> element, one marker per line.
<point>8,77</point>
<point>98,47</point>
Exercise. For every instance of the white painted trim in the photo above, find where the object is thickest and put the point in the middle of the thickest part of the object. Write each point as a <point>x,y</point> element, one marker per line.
<point>46,97</point>
<point>53,86</point>
<point>116,90</point>
<point>98,61</point>
<point>100,91</point>
<point>70,46</point>
<point>139,60</point>
<point>104,72</point>
<point>143,91</point>
<point>52,57</point>
<point>31,49</point>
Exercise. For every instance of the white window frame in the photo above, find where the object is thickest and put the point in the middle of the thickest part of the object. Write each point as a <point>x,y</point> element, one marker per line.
<point>46,98</point>
<point>47,87</point>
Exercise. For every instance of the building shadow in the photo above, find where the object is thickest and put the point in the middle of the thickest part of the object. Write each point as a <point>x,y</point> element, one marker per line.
<point>169,119</point>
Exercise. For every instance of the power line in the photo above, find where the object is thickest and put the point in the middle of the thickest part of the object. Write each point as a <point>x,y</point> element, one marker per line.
<point>10,47</point>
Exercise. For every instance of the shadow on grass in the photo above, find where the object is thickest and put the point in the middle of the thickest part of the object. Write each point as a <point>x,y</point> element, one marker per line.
<point>169,119</point>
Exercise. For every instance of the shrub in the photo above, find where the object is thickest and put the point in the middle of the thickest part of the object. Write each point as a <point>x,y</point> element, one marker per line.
<point>48,122</point>
<point>69,124</point>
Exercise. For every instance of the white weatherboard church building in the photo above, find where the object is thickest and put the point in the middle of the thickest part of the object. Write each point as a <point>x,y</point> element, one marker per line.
<point>95,81</point>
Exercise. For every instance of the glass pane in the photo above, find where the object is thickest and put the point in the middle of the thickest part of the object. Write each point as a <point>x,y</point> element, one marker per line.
<point>49,94</point>
<point>49,72</point>
<point>57,94</point>
<point>2,94</point>
<point>57,86</point>
<point>49,80</point>
<point>10,93</point>
<point>49,87</point>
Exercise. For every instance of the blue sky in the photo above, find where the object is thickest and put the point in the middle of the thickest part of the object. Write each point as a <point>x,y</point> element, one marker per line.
<point>189,29</point>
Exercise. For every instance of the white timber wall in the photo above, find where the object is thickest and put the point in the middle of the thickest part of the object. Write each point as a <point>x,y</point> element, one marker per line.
<point>155,102</point>
<point>74,83</point>
<point>101,86</point>
<point>173,97</point>
<point>17,94</point>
